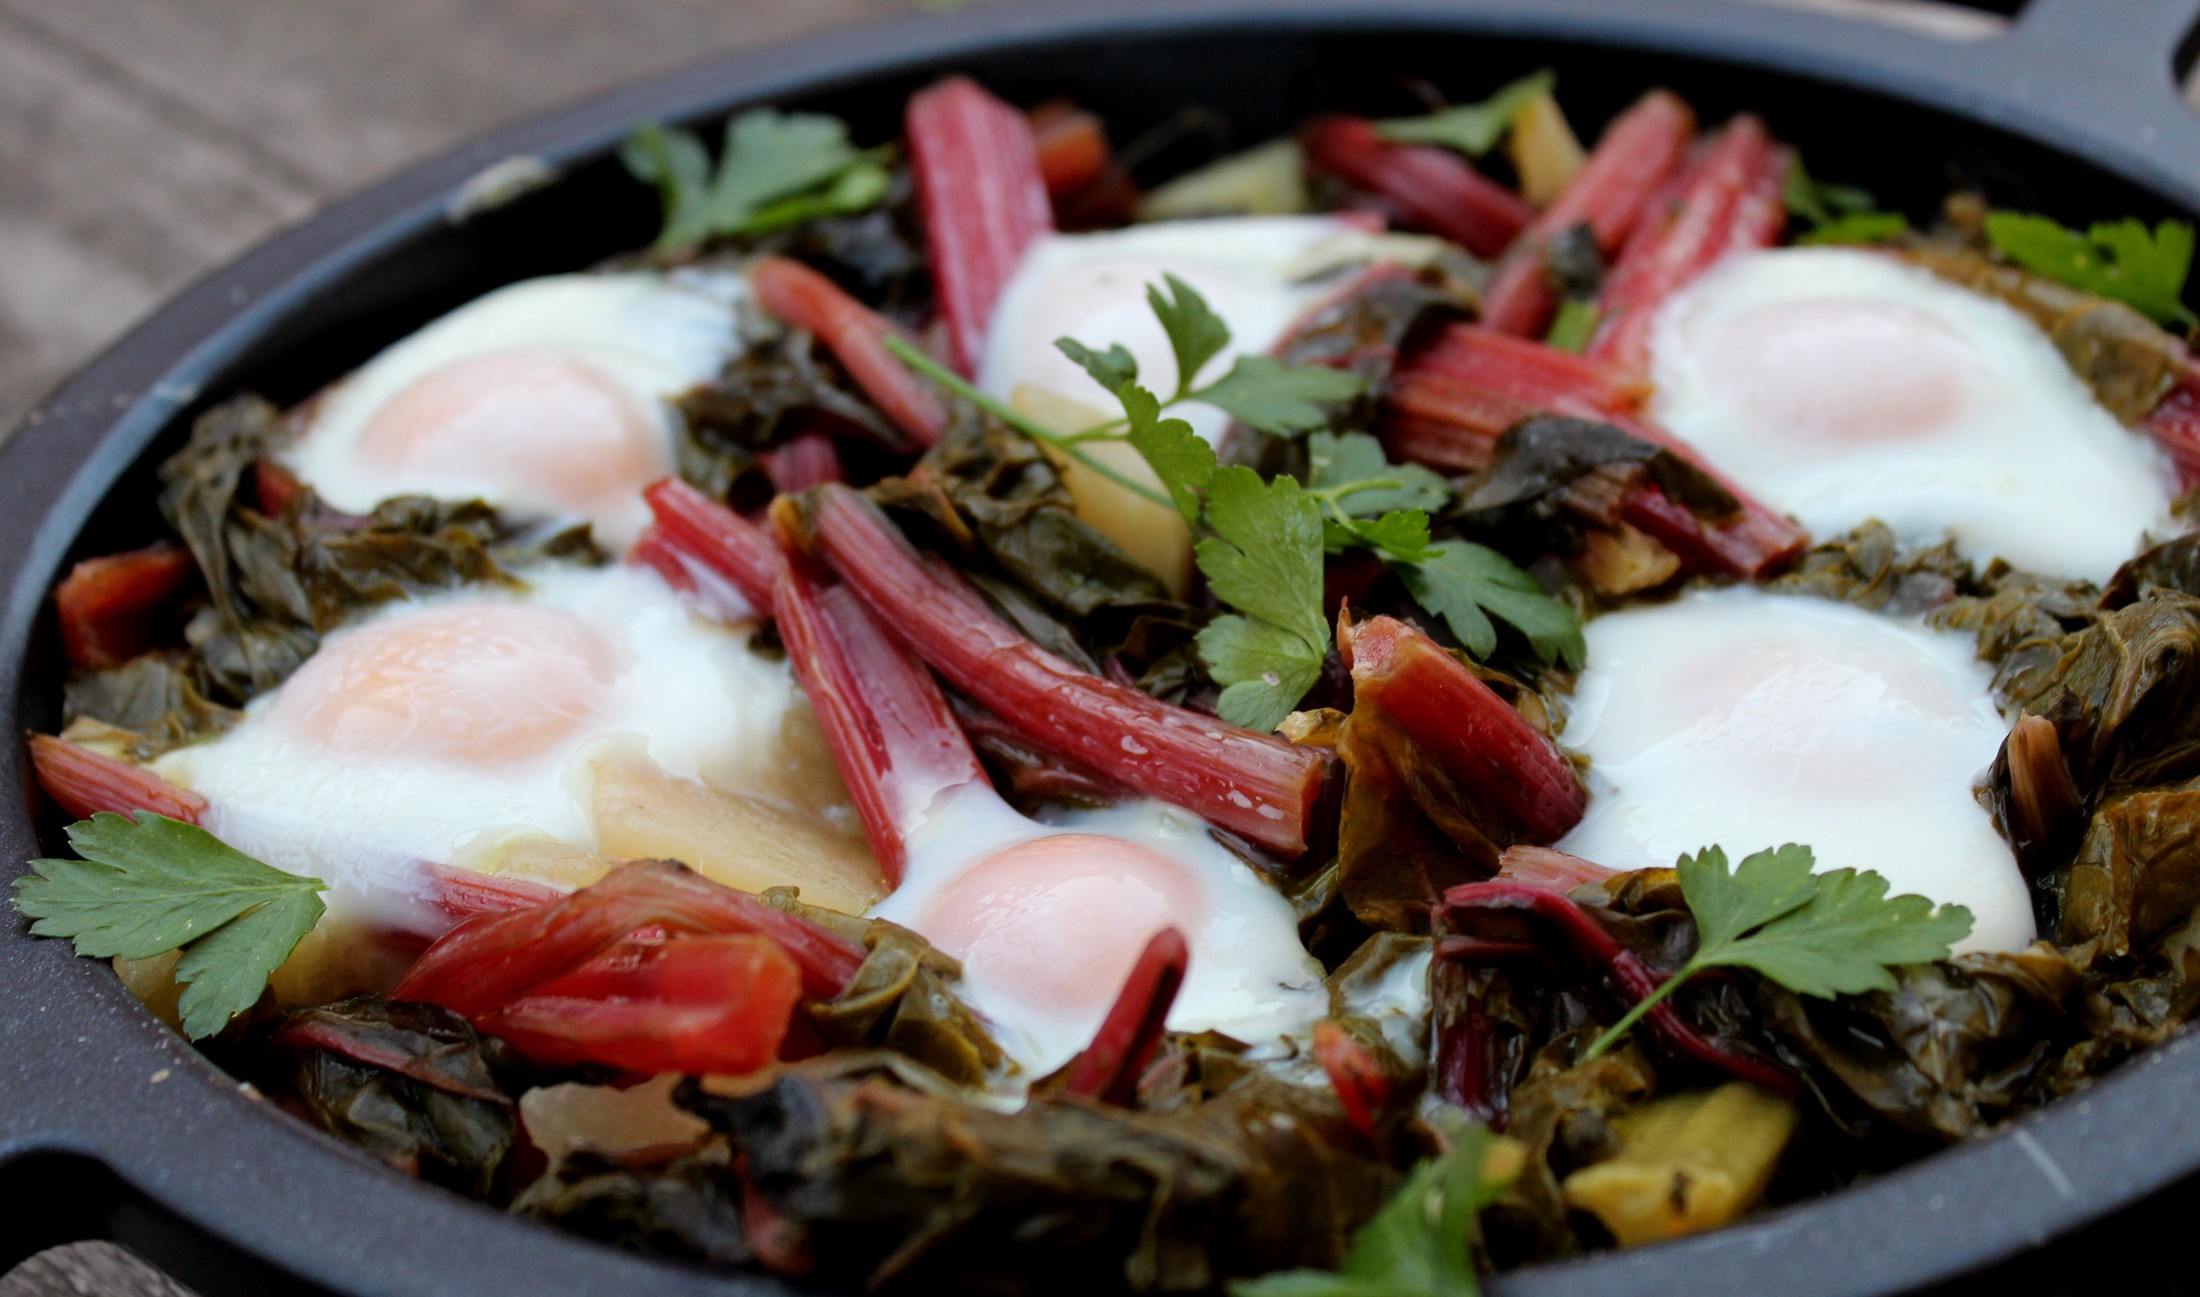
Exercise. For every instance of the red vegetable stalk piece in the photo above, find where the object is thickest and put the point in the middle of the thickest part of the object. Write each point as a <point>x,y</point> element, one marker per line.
<point>1109,1068</point>
<point>806,460</point>
<point>1429,188</point>
<point>1072,146</point>
<point>983,198</point>
<point>1354,1074</point>
<point>1727,199</point>
<point>1545,867</point>
<point>683,1004</point>
<point>1450,405</point>
<point>108,607</point>
<point>489,961</point>
<point>1639,153</point>
<point>891,730</point>
<point>464,893</point>
<point>2174,425</point>
<point>693,532</point>
<point>1260,787</point>
<point>1464,725</point>
<point>1622,971</point>
<point>856,335</point>
<point>83,782</point>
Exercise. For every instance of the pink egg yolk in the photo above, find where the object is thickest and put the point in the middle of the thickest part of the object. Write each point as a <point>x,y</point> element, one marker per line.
<point>1058,921</point>
<point>552,426</point>
<point>1843,371</point>
<point>477,684</point>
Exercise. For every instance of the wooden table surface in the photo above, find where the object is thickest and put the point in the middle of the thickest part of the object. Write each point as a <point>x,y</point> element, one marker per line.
<point>144,142</point>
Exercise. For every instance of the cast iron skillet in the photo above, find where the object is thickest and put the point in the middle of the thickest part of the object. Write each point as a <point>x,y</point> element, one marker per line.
<point>111,1126</point>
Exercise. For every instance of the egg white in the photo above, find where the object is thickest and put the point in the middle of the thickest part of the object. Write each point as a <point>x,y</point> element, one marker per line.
<point>1746,720</point>
<point>2022,464</point>
<point>1248,976</point>
<point>653,335</point>
<point>1092,288</point>
<point>686,692</point>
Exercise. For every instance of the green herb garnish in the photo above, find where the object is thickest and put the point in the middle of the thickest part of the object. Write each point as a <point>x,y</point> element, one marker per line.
<point>1265,560</point>
<point>1472,129</point>
<point>777,169</point>
<point>2119,260</point>
<point>151,885</point>
<point>1822,935</point>
<point>1421,1244</point>
<point>1838,213</point>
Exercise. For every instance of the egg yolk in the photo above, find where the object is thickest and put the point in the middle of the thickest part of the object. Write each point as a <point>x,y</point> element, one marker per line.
<point>478,684</point>
<point>1059,921</point>
<point>542,423</point>
<point>1843,371</point>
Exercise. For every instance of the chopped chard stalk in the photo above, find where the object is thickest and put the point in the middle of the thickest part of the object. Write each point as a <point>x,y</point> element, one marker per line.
<point>891,730</point>
<point>1727,199</point>
<point>1072,145</point>
<point>83,782</point>
<point>393,1051</point>
<point>1639,153</point>
<point>495,958</point>
<point>2046,811</point>
<point>1459,395</point>
<point>1254,785</point>
<point>984,201</point>
<point>108,607</point>
<point>1353,1073</point>
<point>693,527</point>
<point>1109,1068</point>
<point>463,893</point>
<point>1461,722</point>
<point>1620,969</point>
<point>1544,867</point>
<point>804,299</point>
<point>710,1004</point>
<point>1429,188</point>
<point>804,461</point>
<point>2174,424</point>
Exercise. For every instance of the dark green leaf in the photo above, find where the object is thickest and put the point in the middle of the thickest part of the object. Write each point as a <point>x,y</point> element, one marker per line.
<point>1859,227</point>
<point>1110,369</point>
<point>1265,560</point>
<point>1820,203</point>
<point>151,885</point>
<point>1463,581</point>
<point>1180,457</point>
<point>1262,393</point>
<point>2119,260</point>
<point>1370,484</point>
<point>1196,334</point>
<point>1826,934</point>
<point>1473,129</point>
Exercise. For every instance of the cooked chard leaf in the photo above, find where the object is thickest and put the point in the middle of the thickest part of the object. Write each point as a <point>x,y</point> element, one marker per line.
<point>776,169</point>
<point>1821,935</point>
<point>1473,129</point>
<point>1265,560</point>
<point>1466,584</point>
<point>150,885</point>
<point>1838,213</point>
<point>2119,260</point>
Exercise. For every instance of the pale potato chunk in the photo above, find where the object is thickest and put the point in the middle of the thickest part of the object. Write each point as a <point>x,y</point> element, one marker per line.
<point>1687,1163</point>
<point>1153,535</point>
<point>1544,150</point>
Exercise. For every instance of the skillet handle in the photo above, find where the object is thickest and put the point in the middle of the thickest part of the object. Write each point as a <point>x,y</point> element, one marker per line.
<point>2099,78</point>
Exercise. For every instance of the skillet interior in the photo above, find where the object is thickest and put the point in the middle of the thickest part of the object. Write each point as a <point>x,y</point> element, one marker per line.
<point>116,1128</point>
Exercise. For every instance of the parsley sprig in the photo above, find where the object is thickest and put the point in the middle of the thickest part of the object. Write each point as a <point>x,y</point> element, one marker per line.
<point>1838,213</point>
<point>1835,933</point>
<point>1263,551</point>
<point>150,885</point>
<point>2119,260</point>
<point>1472,129</point>
<point>777,169</point>
<point>1421,1244</point>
